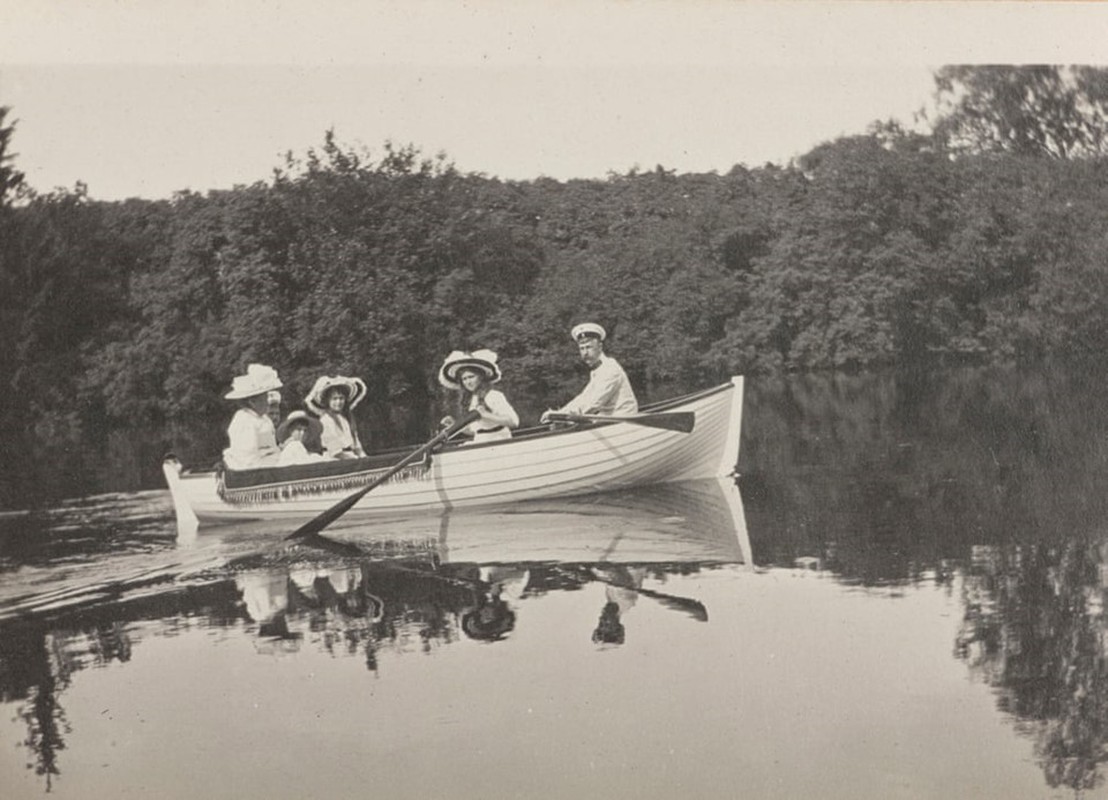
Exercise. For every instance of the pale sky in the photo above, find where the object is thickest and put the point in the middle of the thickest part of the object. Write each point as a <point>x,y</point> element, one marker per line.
<point>147,97</point>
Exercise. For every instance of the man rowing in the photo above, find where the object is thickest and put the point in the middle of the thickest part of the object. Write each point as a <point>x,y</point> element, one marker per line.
<point>608,391</point>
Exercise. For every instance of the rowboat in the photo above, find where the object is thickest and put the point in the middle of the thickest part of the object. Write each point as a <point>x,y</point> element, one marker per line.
<point>537,463</point>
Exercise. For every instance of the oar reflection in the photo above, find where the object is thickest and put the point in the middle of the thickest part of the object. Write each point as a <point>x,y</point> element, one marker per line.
<point>482,599</point>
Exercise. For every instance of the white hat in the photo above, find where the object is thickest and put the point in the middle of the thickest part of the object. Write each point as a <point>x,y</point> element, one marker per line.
<point>353,388</point>
<point>259,379</point>
<point>588,329</point>
<point>483,361</point>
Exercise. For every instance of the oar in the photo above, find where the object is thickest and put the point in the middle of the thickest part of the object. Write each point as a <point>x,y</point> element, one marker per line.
<point>315,525</point>
<point>682,421</point>
<point>692,607</point>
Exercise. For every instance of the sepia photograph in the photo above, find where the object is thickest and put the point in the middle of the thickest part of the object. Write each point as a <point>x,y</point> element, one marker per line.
<point>553,399</point>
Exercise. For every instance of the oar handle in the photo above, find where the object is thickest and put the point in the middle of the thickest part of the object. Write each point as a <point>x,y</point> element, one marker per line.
<point>682,421</point>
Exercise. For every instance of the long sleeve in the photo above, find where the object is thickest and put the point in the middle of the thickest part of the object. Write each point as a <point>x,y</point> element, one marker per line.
<point>241,437</point>
<point>252,441</point>
<point>607,392</point>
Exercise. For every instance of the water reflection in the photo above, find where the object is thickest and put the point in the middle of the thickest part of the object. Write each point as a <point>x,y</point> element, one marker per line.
<point>385,601</point>
<point>389,586</point>
<point>887,477</point>
<point>982,487</point>
<point>1034,629</point>
<point>988,480</point>
<point>39,657</point>
<point>82,530</point>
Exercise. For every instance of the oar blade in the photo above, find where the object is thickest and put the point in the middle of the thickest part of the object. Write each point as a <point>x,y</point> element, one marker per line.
<point>317,524</point>
<point>694,608</point>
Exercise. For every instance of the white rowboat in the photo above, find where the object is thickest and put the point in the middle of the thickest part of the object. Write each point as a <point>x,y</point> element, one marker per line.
<point>535,464</point>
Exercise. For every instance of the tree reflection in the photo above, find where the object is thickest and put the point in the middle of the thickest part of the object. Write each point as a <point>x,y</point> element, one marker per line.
<point>902,478</point>
<point>40,656</point>
<point>36,665</point>
<point>1034,629</point>
<point>891,477</point>
<point>33,675</point>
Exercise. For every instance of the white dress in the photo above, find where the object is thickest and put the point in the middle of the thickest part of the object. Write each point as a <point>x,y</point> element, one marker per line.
<point>337,435</point>
<point>294,452</point>
<point>483,430</point>
<point>253,441</point>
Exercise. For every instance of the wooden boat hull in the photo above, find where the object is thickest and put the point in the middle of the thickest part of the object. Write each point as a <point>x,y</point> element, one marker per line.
<point>534,465</point>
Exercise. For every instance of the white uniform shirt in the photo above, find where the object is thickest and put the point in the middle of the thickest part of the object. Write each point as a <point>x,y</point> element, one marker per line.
<point>608,392</point>
<point>253,441</point>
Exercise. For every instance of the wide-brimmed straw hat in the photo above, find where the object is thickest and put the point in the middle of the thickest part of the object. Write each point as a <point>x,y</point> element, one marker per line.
<point>587,329</point>
<point>353,388</point>
<point>315,427</point>
<point>484,361</point>
<point>259,379</point>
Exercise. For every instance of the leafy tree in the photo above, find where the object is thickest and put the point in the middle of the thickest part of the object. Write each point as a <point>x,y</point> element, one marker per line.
<point>11,179</point>
<point>1042,110</point>
<point>1042,257</point>
<point>848,278</point>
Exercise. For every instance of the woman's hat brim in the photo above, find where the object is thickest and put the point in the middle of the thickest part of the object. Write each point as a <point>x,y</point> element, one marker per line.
<point>457,361</point>
<point>354,388</point>
<point>259,379</point>
<point>252,391</point>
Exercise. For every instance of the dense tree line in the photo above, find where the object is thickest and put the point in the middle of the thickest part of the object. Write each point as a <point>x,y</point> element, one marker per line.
<point>980,240</point>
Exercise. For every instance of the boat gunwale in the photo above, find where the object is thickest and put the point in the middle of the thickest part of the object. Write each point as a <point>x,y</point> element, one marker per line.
<point>529,434</point>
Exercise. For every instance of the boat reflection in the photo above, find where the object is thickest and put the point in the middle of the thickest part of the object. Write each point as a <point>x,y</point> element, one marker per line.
<point>690,521</point>
<point>470,576</point>
<point>368,587</point>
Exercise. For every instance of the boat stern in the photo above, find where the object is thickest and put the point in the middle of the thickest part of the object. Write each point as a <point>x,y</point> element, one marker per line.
<point>187,521</point>
<point>729,459</point>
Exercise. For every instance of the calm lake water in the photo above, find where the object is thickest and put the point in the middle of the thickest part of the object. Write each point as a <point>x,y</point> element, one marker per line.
<point>902,597</point>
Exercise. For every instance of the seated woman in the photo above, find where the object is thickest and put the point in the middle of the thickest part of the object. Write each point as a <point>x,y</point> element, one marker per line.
<point>292,435</point>
<point>252,441</point>
<point>472,376</point>
<point>332,399</point>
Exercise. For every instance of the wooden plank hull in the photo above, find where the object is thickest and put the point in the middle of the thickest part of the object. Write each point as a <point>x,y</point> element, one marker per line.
<point>532,466</point>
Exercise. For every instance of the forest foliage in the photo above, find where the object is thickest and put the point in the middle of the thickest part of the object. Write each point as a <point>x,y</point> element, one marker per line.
<point>982,239</point>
